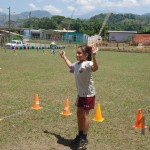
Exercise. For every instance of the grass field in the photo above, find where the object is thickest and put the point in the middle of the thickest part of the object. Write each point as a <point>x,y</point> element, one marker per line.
<point>122,84</point>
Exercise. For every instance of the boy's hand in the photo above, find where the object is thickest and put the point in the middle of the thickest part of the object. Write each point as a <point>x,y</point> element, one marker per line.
<point>62,54</point>
<point>94,50</point>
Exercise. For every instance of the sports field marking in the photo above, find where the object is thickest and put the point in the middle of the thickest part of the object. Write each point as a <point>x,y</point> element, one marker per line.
<point>15,114</point>
<point>23,112</point>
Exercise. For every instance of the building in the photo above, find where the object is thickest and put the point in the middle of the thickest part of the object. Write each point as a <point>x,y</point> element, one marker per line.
<point>42,34</point>
<point>63,35</point>
<point>142,39</point>
<point>6,36</point>
<point>36,34</point>
<point>120,36</point>
<point>73,36</point>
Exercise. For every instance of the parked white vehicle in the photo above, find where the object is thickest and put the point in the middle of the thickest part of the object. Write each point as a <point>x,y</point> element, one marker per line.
<point>15,44</point>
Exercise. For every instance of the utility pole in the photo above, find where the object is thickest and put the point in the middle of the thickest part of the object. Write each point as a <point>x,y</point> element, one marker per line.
<point>29,26</point>
<point>9,23</point>
<point>70,23</point>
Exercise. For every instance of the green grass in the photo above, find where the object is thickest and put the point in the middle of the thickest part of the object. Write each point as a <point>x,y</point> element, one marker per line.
<point>122,84</point>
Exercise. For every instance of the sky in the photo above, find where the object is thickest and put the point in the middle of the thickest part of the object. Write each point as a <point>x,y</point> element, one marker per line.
<point>68,8</point>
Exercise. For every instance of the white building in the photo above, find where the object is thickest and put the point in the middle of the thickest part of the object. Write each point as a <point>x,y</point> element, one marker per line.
<point>120,36</point>
<point>36,34</point>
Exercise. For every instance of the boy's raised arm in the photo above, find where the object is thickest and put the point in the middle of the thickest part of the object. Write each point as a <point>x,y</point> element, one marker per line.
<point>63,56</point>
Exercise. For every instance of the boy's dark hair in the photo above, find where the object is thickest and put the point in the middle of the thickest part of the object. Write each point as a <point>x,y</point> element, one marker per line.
<point>88,50</point>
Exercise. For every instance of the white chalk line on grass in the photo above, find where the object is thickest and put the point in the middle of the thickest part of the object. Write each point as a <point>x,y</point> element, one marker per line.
<point>24,111</point>
<point>15,114</point>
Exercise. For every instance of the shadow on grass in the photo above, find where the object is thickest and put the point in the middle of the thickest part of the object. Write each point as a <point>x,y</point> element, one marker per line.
<point>62,140</point>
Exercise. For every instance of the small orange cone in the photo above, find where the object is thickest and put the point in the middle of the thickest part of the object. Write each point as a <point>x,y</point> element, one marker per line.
<point>36,104</point>
<point>98,116</point>
<point>139,120</point>
<point>66,110</point>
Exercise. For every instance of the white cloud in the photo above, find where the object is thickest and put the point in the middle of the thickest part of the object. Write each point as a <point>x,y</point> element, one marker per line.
<point>71,8</point>
<point>89,7</point>
<point>1,9</point>
<point>50,8</point>
<point>122,3</point>
<point>85,5</point>
<point>53,10</point>
<point>92,4</point>
<point>146,2</point>
<point>33,7</point>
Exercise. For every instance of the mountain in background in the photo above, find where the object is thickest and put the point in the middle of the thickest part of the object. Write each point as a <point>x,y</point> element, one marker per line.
<point>42,13</point>
<point>24,15</point>
<point>36,14</point>
<point>146,15</point>
<point>87,15</point>
<point>93,13</point>
<point>16,18</point>
<point>97,12</point>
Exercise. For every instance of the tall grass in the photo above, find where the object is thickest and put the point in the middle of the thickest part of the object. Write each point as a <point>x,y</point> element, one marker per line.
<point>122,84</point>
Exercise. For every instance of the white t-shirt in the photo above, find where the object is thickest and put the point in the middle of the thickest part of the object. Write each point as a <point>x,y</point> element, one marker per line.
<point>84,80</point>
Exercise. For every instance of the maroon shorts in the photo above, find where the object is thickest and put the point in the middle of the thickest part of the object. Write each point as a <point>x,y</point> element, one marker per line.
<point>86,103</point>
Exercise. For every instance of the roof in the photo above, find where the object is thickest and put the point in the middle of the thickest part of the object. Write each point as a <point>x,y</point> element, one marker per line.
<point>41,30</point>
<point>122,31</point>
<point>35,31</point>
<point>64,30</point>
<point>10,32</point>
<point>144,33</point>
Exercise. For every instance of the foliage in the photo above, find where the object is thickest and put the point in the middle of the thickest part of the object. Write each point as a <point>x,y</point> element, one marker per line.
<point>125,22</point>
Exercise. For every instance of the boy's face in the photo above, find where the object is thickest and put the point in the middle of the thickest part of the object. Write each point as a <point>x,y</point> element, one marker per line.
<point>80,55</point>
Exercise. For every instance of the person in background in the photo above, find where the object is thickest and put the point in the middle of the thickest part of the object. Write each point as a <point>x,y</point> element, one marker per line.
<point>52,47</point>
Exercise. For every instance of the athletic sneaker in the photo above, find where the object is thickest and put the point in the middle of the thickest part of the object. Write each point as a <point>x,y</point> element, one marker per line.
<point>82,144</point>
<point>76,140</point>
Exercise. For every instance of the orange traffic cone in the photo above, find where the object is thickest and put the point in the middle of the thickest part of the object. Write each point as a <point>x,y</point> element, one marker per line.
<point>140,123</point>
<point>98,116</point>
<point>36,104</point>
<point>66,110</point>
